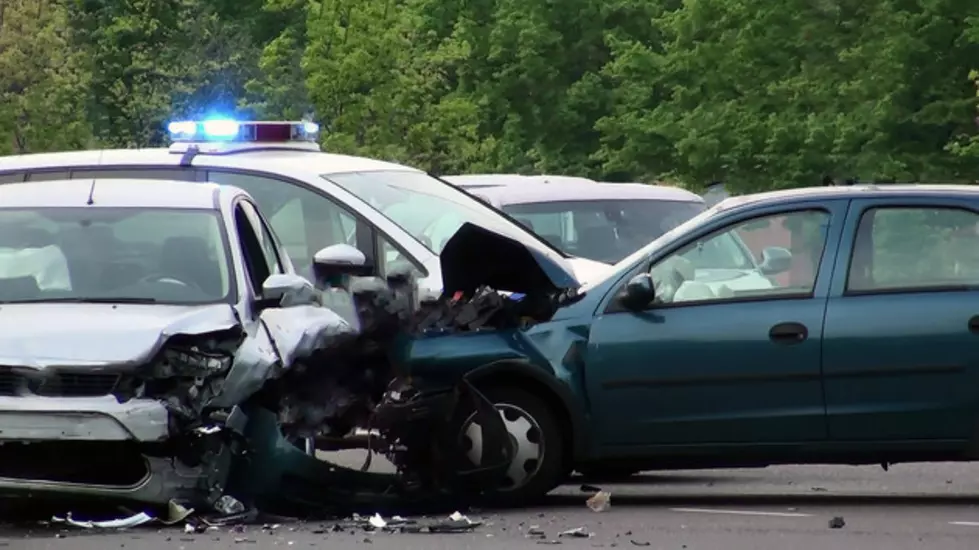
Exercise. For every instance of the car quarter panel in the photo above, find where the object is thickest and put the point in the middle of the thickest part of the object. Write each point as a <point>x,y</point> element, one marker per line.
<point>709,373</point>
<point>901,361</point>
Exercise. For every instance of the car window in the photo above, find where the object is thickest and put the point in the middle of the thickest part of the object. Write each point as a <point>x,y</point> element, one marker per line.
<point>167,255</point>
<point>549,225</point>
<point>394,261</point>
<point>256,267</point>
<point>265,240</point>
<point>305,221</point>
<point>603,230</point>
<point>185,174</point>
<point>48,176</point>
<point>914,248</point>
<point>430,209</point>
<point>730,263</point>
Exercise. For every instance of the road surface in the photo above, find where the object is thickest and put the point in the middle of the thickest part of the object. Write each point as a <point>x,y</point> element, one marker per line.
<point>915,506</point>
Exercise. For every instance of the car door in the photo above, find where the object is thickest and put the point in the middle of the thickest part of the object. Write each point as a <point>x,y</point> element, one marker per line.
<point>725,355</point>
<point>901,342</point>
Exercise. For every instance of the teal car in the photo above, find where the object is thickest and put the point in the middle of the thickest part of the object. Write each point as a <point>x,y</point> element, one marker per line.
<point>861,351</point>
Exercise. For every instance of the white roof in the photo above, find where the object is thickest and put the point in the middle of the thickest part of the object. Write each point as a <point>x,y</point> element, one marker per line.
<point>538,193</point>
<point>266,160</point>
<point>484,180</point>
<point>117,193</point>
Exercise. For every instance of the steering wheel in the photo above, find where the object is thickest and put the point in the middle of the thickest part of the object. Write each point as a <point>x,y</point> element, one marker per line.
<point>163,278</point>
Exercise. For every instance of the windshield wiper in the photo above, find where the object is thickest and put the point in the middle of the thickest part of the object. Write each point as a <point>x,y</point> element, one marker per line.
<point>111,300</point>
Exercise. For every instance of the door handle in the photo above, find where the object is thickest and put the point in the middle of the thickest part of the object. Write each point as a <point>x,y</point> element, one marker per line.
<point>788,333</point>
<point>974,325</point>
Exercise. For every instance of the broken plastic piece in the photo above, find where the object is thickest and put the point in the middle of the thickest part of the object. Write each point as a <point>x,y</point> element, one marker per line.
<point>121,523</point>
<point>600,501</point>
<point>176,513</point>
<point>229,505</point>
<point>577,532</point>
<point>377,521</point>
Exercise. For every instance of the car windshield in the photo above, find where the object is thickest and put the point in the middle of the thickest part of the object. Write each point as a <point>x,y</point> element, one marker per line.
<point>428,209</point>
<point>602,230</point>
<point>139,255</point>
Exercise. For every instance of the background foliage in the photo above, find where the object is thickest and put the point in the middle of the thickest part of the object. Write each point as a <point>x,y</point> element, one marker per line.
<point>756,94</point>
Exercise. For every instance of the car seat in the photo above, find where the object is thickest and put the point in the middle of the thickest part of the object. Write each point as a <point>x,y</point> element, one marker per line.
<point>188,259</point>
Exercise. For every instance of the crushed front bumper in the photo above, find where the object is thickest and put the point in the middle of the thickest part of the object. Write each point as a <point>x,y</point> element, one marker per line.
<point>33,418</point>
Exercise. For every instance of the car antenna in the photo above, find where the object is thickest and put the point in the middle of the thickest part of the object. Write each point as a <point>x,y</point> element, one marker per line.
<point>188,158</point>
<point>91,194</point>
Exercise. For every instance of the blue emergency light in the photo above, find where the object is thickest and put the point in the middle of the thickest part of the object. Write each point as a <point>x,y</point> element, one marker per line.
<point>228,130</point>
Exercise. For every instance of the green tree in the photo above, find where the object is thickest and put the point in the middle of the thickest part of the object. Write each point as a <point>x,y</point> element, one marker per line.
<point>43,81</point>
<point>154,60</point>
<point>779,95</point>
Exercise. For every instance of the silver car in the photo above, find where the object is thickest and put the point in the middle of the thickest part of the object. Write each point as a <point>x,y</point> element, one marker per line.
<point>135,316</point>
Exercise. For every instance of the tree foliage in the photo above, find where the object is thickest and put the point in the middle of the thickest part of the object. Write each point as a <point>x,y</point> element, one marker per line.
<point>757,94</point>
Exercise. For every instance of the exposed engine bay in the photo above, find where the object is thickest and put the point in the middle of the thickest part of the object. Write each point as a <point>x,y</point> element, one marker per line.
<point>307,379</point>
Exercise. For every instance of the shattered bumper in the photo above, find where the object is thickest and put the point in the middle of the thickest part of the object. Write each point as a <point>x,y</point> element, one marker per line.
<point>82,419</point>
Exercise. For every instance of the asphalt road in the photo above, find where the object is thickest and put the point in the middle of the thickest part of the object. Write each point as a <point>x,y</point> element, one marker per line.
<point>919,506</point>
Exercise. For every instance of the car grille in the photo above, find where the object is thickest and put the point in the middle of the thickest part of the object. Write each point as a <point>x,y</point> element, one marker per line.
<point>62,384</point>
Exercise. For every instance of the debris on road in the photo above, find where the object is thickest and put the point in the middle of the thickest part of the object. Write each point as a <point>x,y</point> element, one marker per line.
<point>377,521</point>
<point>837,523</point>
<point>176,513</point>
<point>577,532</point>
<point>600,501</point>
<point>535,532</point>
<point>122,523</point>
<point>640,543</point>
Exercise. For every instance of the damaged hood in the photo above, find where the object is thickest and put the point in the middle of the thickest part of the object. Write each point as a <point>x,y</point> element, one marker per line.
<point>51,334</point>
<point>476,256</point>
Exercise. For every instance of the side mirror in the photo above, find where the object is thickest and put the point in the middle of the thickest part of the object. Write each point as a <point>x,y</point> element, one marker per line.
<point>639,292</point>
<point>336,262</point>
<point>775,260</point>
<point>286,290</point>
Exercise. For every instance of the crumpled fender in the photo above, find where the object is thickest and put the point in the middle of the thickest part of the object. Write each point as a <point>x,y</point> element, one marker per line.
<point>284,336</point>
<point>450,356</point>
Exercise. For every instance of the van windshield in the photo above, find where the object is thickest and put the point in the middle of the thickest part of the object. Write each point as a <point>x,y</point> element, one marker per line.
<point>603,230</point>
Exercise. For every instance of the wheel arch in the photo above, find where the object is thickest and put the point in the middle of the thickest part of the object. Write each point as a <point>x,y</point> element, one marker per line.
<point>555,393</point>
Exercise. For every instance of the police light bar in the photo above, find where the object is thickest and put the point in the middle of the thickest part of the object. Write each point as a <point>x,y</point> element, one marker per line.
<point>233,131</point>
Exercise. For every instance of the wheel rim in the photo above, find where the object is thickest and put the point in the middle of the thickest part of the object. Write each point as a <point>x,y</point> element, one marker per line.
<point>525,435</point>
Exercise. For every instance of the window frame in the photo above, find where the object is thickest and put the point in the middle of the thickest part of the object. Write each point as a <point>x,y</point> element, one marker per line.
<point>873,207</point>
<point>247,259</point>
<point>258,224</point>
<point>615,305</point>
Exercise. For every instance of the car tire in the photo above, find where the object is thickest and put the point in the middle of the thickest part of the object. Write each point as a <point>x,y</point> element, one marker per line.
<point>543,438</point>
